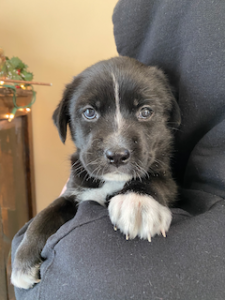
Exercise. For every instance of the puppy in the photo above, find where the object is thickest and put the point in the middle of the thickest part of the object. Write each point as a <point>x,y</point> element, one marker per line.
<point>121,116</point>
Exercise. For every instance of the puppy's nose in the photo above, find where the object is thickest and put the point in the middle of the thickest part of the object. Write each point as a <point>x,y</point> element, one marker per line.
<point>118,157</point>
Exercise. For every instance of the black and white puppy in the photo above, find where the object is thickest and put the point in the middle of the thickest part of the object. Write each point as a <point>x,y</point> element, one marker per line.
<point>121,116</point>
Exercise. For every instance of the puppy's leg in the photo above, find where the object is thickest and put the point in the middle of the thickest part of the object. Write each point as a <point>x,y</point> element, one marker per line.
<point>27,261</point>
<point>140,210</point>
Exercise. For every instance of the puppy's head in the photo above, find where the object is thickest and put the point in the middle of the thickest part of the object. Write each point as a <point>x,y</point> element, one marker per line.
<point>121,114</point>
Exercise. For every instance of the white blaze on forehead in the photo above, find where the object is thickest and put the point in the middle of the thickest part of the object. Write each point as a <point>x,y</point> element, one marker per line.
<point>118,116</point>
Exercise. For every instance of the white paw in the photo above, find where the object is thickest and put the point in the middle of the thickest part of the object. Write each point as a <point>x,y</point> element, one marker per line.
<point>25,278</point>
<point>139,215</point>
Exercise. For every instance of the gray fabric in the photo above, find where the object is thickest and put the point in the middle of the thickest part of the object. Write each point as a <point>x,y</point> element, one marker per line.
<point>86,259</point>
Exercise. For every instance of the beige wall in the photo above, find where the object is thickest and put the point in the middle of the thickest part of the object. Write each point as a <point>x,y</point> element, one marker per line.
<point>57,39</point>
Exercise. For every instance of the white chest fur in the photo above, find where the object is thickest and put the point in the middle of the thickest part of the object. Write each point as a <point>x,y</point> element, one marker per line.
<point>99,194</point>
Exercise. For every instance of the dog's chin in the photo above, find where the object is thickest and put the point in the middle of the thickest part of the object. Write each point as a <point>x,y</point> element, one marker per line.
<point>116,176</point>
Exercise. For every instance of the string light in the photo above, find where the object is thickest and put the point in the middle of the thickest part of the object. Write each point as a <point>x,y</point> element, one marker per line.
<point>12,115</point>
<point>25,108</point>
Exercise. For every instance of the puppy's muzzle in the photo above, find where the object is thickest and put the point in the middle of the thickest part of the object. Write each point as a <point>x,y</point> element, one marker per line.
<point>117,157</point>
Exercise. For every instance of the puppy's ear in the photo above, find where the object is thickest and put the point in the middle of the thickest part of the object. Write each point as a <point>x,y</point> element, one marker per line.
<point>61,115</point>
<point>175,116</point>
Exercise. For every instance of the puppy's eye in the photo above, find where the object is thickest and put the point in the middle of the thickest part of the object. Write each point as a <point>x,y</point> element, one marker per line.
<point>90,113</point>
<point>145,113</point>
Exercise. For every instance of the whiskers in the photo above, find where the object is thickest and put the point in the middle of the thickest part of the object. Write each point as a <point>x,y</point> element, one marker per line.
<point>160,163</point>
<point>81,171</point>
<point>78,168</point>
<point>95,174</point>
<point>139,171</point>
<point>96,169</point>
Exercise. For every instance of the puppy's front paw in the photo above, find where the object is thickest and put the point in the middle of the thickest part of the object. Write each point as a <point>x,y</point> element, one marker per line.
<point>26,268</point>
<point>139,215</point>
<point>25,278</point>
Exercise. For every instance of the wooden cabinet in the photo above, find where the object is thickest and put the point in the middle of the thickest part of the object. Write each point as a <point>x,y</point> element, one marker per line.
<point>17,192</point>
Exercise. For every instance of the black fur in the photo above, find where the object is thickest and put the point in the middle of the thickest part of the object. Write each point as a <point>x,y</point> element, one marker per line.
<point>149,142</point>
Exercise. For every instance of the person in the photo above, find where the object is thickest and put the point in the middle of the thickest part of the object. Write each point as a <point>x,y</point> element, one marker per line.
<point>86,259</point>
